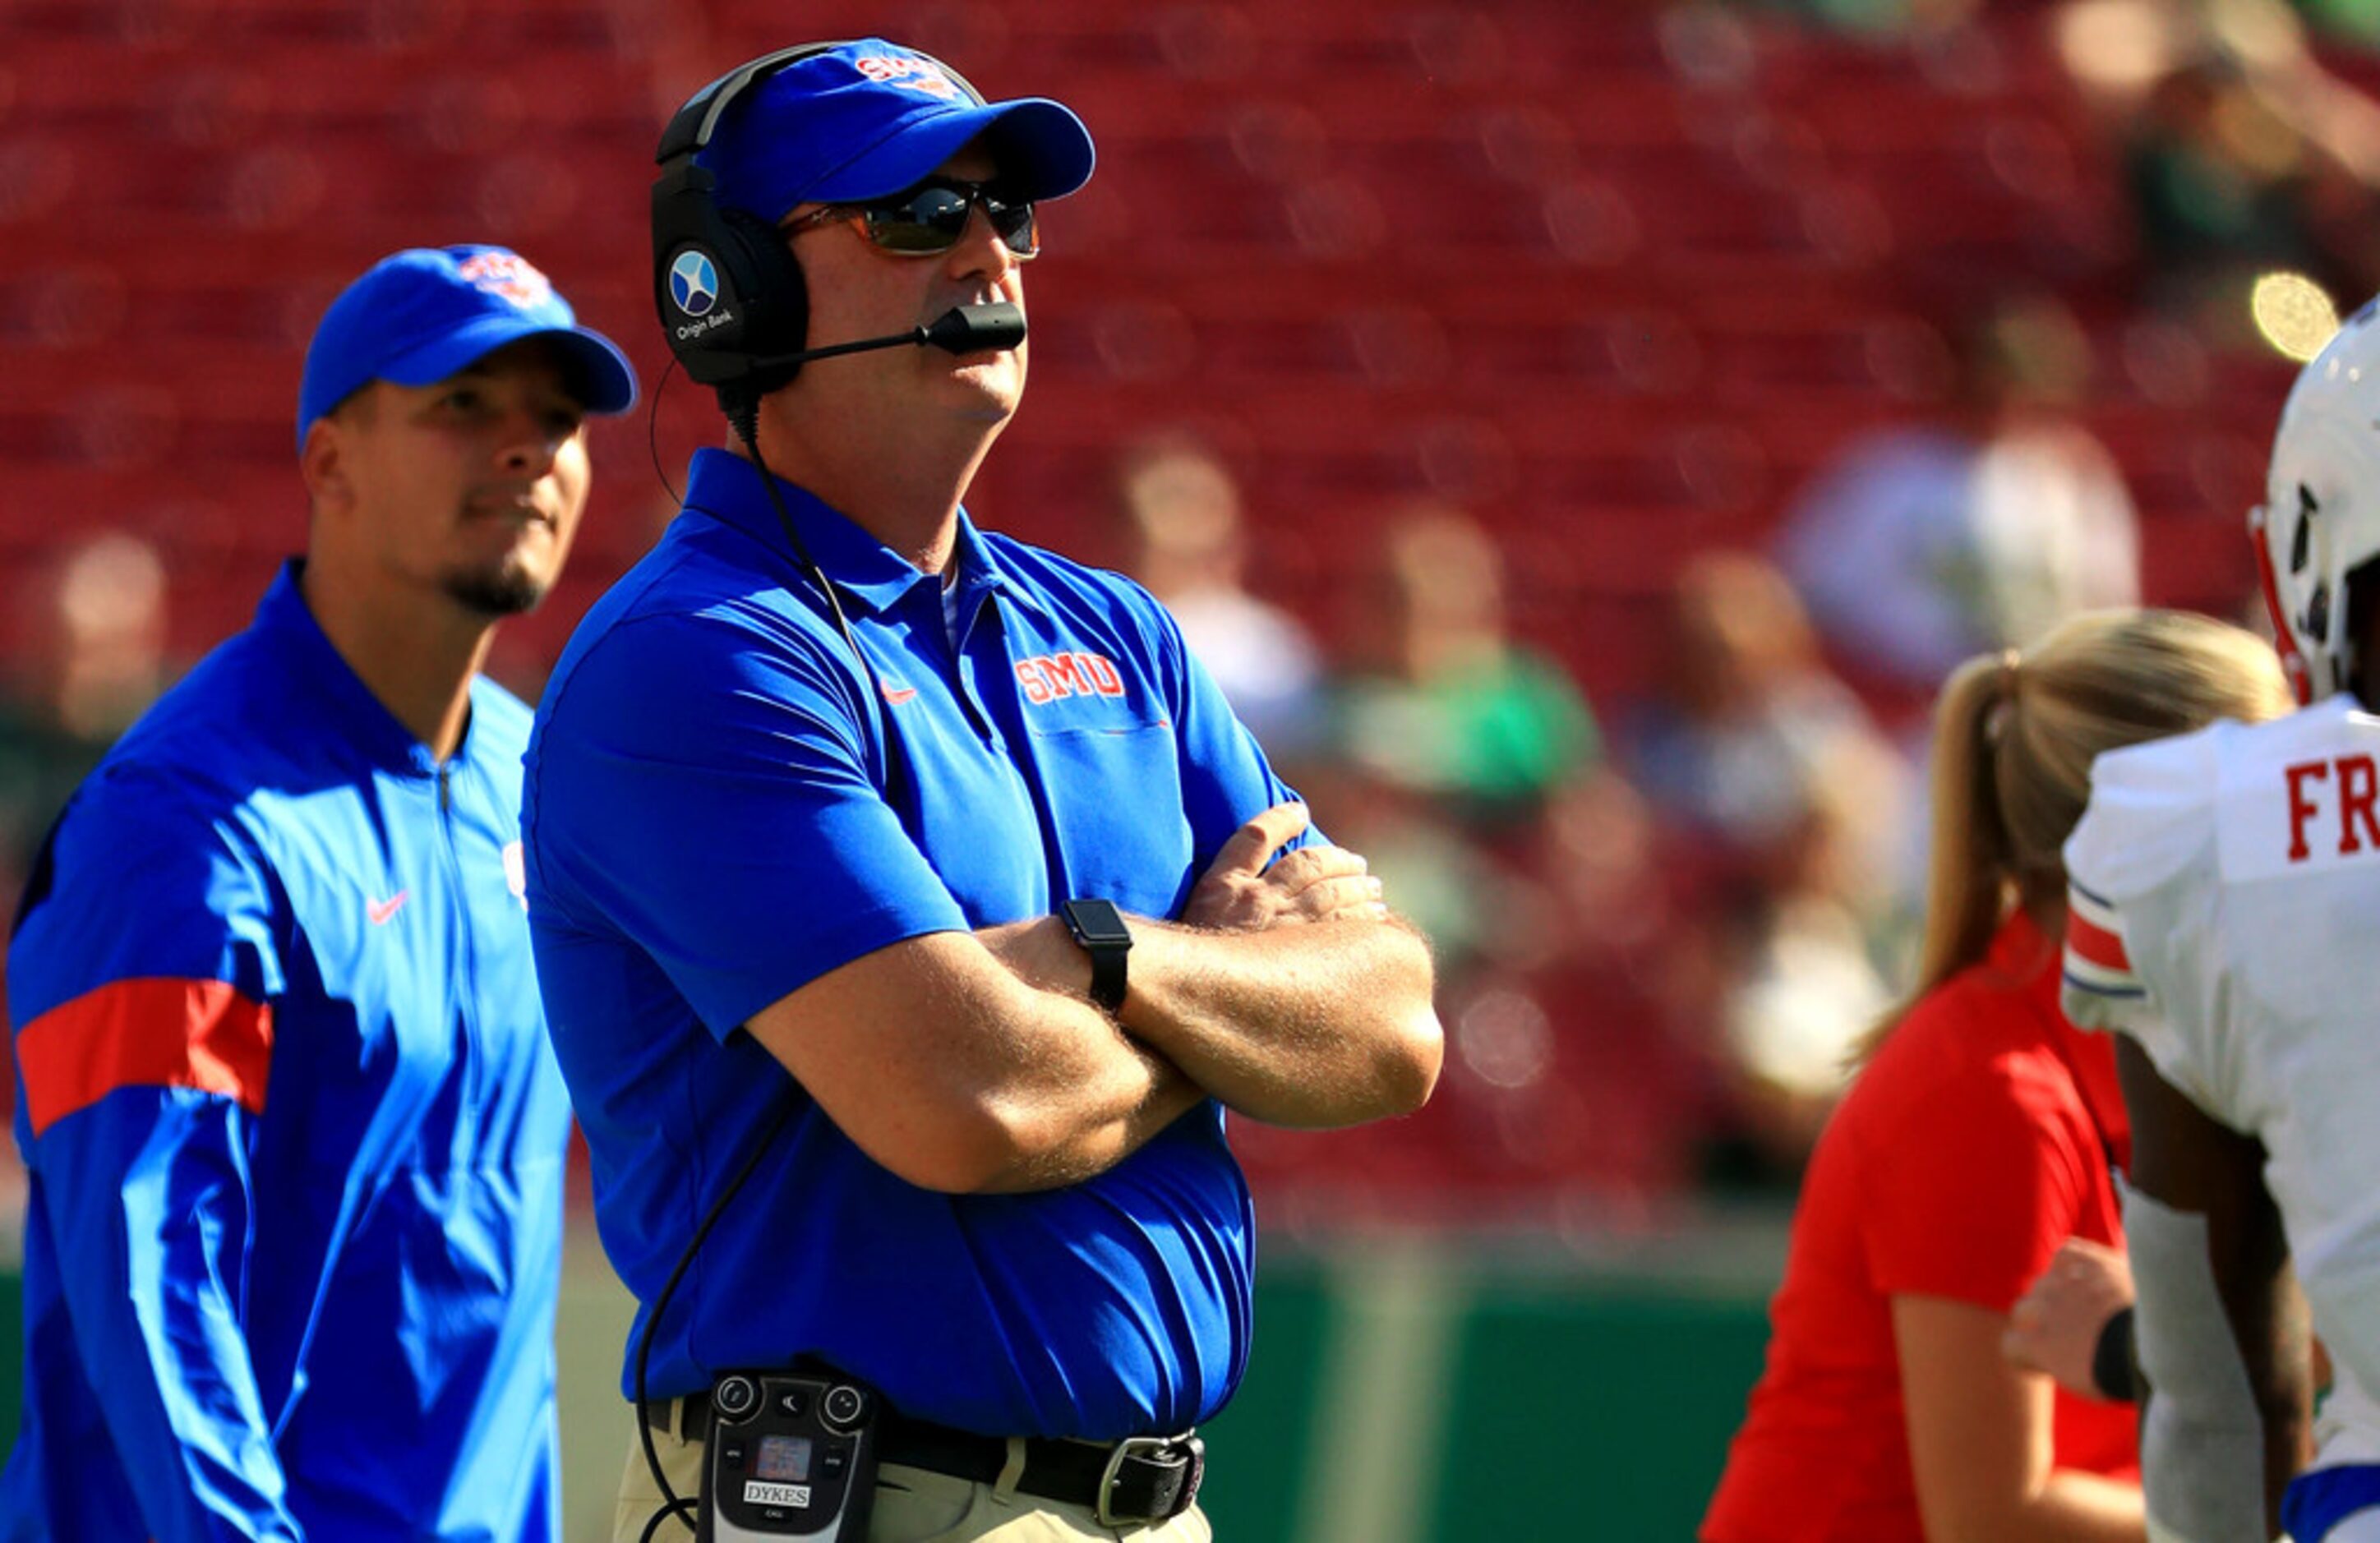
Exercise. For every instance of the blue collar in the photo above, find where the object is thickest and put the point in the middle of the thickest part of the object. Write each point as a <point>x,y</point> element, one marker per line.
<point>285,622</point>
<point>872,577</point>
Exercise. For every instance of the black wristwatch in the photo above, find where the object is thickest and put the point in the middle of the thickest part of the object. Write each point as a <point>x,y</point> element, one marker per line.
<point>1099,927</point>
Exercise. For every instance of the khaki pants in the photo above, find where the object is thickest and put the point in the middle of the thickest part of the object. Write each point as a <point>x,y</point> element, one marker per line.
<point>912,1504</point>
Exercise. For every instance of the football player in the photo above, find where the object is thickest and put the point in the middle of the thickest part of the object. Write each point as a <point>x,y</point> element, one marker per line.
<point>2224,918</point>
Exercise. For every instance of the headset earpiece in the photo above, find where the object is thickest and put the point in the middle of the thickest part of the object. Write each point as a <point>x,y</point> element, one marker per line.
<point>777,300</point>
<point>725,282</point>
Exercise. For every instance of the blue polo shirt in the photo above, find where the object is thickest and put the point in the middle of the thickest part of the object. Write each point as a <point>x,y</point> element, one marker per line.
<point>719,809</point>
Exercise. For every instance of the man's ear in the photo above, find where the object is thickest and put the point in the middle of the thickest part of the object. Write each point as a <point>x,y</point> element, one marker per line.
<point>322,462</point>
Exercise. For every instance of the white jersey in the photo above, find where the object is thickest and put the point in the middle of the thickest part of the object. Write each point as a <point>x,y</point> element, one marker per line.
<point>2225,911</point>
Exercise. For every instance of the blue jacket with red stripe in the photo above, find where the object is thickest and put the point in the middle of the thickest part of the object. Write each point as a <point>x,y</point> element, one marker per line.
<point>294,1132</point>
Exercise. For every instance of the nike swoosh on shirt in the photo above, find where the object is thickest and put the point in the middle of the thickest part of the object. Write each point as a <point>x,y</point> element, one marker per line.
<point>895,694</point>
<point>380,910</point>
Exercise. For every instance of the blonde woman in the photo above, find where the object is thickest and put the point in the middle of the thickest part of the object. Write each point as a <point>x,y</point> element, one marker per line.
<point>1980,1134</point>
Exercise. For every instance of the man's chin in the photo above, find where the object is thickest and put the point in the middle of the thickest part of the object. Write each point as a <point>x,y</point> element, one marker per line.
<point>984,398</point>
<point>495,594</point>
<point>992,376</point>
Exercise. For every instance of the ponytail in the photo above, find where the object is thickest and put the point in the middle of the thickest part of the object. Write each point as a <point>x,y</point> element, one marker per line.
<point>2014,738</point>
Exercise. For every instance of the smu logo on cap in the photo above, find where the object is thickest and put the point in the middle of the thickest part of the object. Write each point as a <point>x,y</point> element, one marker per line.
<point>916,75</point>
<point>506,276</point>
<point>694,283</point>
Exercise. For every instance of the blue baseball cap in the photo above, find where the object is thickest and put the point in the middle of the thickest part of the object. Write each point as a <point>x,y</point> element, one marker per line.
<point>418,316</point>
<point>865,119</point>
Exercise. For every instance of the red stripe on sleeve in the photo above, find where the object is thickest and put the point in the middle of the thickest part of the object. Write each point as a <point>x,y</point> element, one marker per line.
<point>2096,943</point>
<point>157,1033</point>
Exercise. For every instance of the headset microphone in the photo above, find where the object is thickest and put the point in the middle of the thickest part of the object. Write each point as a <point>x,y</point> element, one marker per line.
<point>960,329</point>
<point>998,325</point>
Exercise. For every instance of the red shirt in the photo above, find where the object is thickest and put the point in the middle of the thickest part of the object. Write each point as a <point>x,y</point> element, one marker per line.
<point>1976,1141</point>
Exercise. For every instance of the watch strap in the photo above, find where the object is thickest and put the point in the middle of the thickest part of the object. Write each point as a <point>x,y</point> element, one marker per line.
<point>1099,929</point>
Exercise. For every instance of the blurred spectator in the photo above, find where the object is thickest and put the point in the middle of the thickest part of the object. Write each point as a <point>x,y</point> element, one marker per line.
<point>1797,956</point>
<point>1921,546</point>
<point>2241,154</point>
<point>1447,745</point>
<point>1178,515</point>
<point>1788,808</point>
<point>1469,770</point>
<point>95,659</point>
<point>1438,699</point>
<point>1749,715</point>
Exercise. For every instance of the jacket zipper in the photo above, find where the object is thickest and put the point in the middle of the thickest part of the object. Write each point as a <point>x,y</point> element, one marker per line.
<point>467,1119</point>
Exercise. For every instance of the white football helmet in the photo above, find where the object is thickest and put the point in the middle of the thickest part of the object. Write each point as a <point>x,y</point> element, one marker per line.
<point>2320,521</point>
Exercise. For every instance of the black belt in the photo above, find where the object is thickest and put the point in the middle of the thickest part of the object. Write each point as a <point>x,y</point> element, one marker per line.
<point>1138,1479</point>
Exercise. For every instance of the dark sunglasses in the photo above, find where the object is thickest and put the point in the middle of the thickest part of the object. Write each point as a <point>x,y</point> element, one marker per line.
<point>932,218</point>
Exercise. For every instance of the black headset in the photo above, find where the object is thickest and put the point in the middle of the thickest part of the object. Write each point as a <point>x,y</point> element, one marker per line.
<point>726,284</point>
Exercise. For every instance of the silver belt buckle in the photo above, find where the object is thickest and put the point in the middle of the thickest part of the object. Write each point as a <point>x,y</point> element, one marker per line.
<point>1155,1448</point>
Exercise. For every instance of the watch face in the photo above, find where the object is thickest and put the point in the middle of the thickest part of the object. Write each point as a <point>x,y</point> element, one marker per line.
<point>1097,921</point>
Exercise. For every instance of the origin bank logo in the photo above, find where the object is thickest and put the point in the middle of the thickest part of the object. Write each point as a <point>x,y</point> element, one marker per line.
<point>694,283</point>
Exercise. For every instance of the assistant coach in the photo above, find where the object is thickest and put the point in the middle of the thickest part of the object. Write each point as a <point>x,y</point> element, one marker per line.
<point>828,803</point>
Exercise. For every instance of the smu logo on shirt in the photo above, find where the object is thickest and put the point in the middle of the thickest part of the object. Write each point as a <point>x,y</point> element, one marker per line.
<point>1049,678</point>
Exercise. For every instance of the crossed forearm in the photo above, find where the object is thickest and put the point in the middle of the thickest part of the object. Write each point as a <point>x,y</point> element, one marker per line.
<point>1315,1025</point>
<point>1072,1138</point>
